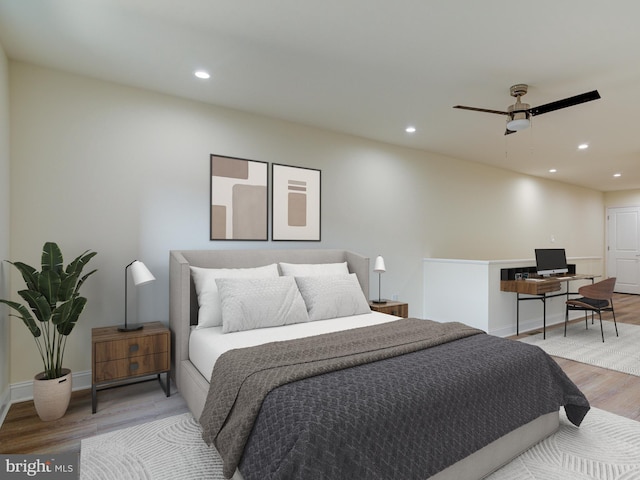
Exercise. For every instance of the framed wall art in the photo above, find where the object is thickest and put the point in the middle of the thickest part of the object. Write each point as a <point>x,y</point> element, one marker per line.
<point>295,203</point>
<point>239,199</point>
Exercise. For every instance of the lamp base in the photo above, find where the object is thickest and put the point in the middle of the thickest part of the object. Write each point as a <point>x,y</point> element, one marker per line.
<point>132,327</point>
<point>379,302</point>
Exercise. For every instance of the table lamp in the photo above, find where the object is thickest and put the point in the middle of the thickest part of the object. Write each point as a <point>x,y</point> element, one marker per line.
<point>140,275</point>
<point>379,268</point>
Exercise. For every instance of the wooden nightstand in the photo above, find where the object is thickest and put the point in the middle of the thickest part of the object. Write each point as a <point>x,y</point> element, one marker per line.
<point>119,356</point>
<point>399,309</point>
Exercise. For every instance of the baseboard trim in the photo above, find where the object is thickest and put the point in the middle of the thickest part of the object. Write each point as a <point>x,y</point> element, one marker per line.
<point>5,403</point>
<point>23,391</point>
<point>534,324</point>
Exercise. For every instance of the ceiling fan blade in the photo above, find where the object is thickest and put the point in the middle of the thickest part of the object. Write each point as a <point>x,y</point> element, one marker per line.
<point>486,110</point>
<point>509,132</point>
<point>567,102</point>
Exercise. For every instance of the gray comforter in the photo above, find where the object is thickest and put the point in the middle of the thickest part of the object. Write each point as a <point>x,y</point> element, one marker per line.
<point>409,414</point>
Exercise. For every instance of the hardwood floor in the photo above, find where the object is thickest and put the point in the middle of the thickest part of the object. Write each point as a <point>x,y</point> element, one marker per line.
<point>23,432</point>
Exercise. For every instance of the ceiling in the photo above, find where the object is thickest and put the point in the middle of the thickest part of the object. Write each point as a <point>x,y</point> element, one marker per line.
<point>373,67</point>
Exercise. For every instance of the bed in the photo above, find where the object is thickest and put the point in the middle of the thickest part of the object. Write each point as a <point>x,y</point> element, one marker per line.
<point>306,400</point>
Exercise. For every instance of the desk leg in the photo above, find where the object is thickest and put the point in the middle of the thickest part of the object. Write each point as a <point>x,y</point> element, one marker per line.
<point>517,313</point>
<point>544,317</point>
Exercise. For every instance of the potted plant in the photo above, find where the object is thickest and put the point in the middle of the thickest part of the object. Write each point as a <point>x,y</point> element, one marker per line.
<point>55,305</point>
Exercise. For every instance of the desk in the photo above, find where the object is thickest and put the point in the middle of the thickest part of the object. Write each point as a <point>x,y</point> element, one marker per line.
<point>541,289</point>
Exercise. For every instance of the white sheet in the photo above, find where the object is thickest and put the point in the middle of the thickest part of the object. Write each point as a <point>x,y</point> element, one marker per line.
<point>207,344</point>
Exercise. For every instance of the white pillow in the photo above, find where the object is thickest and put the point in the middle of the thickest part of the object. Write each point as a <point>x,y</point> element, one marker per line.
<point>209,313</point>
<point>249,303</point>
<point>313,269</point>
<point>333,296</point>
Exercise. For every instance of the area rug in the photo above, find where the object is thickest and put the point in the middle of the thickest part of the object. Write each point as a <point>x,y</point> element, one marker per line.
<point>619,353</point>
<point>605,447</point>
<point>166,449</point>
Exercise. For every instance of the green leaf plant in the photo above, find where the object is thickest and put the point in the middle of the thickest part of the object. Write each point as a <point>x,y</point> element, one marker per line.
<point>54,303</point>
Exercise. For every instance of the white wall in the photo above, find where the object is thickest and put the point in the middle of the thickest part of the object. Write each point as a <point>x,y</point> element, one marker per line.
<point>125,172</point>
<point>624,198</point>
<point>471,290</point>
<point>4,229</point>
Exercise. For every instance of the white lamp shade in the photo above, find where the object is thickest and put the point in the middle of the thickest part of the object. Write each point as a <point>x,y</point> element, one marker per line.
<point>140,273</point>
<point>378,266</point>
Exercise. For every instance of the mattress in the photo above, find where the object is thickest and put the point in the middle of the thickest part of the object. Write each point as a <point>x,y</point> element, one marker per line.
<point>207,344</point>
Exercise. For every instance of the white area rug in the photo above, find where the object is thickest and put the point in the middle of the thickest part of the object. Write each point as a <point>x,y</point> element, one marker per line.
<point>170,449</point>
<point>620,353</point>
<point>606,446</point>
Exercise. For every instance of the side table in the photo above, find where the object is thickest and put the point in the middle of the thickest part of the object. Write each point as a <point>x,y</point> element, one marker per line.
<point>117,357</point>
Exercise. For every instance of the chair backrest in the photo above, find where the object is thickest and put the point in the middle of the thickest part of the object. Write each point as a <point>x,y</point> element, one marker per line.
<point>602,290</point>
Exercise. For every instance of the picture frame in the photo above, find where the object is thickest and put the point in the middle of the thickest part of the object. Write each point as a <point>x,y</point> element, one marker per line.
<point>295,203</point>
<point>238,199</point>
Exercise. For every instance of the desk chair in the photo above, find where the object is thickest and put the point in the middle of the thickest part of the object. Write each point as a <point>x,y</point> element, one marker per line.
<point>597,297</point>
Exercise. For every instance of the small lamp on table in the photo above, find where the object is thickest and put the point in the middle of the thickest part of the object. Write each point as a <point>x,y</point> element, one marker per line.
<point>379,268</point>
<point>140,275</point>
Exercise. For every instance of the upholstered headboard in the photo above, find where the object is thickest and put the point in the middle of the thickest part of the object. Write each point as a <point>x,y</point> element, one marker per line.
<point>183,304</point>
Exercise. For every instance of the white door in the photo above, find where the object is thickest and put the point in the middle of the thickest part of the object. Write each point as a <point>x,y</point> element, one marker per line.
<point>623,249</point>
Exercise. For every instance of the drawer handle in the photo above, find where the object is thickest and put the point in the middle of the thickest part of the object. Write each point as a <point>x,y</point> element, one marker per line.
<point>134,348</point>
<point>133,366</point>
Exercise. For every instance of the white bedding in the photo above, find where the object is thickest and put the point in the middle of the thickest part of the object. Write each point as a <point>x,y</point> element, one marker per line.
<point>207,344</point>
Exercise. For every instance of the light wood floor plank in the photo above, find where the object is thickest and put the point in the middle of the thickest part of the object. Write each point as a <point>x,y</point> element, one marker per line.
<point>23,432</point>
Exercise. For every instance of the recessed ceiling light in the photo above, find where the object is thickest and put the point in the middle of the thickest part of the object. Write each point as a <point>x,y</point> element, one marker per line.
<point>410,129</point>
<point>617,175</point>
<point>552,170</point>
<point>202,74</point>
<point>583,146</point>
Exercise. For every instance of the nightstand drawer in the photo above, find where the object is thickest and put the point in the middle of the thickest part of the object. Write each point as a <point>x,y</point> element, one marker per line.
<point>130,367</point>
<point>130,347</point>
<point>398,311</point>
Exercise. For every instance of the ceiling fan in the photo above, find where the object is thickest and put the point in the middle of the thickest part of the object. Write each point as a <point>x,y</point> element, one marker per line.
<point>519,114</point>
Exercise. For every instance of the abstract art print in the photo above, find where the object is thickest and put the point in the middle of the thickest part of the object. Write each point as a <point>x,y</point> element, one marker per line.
<point>295,203</point>
<point>239,207</point>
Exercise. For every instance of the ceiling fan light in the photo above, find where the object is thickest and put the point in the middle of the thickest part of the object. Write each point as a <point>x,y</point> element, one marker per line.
<point>518,124</point>
<point>518,121</point>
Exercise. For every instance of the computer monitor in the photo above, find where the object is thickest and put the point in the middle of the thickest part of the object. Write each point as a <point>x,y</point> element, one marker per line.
<point>550,261</point>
